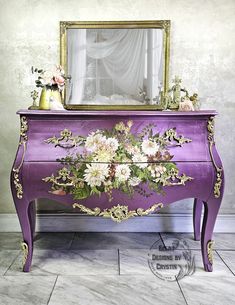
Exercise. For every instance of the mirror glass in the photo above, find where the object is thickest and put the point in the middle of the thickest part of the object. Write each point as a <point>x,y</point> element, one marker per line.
<point>114,66</point>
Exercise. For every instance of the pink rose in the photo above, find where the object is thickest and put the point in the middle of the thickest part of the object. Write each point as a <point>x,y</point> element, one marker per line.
<point>59,80</point>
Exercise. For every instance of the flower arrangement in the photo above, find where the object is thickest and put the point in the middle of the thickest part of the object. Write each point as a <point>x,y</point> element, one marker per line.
<point>117,159</point>
<point>51,79</point>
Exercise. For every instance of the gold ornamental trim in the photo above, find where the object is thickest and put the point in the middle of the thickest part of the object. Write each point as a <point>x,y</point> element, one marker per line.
<point>66,139</point>
<point>25,249</point>
<point>219,170</point>
<point>171,135</point>
<point>62,180</point>
<point>16,170</point>
<point>210,251</point>
<point>119,212</point>
<point>23,129</point>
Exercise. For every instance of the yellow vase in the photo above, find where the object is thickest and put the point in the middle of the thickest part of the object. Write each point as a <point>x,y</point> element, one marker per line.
<point>44,102</point>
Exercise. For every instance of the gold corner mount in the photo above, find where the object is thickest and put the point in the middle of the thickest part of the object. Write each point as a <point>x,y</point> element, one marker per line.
<point>219,170</point>
<point>119,212</point>
<point>16,170</point>
<point>25,249</point>
<point>23,129</point>
<point>210,251</point>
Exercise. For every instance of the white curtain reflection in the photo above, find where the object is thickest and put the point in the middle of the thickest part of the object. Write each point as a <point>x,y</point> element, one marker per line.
<point>76,65</point>
<point>154,62</point>
<point>123,58</point>
<point>122,54</point>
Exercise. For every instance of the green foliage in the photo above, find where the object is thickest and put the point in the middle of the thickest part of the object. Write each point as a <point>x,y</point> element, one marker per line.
<point>81,193</point>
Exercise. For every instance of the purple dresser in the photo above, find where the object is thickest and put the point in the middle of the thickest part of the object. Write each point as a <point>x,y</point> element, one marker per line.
<point>118,165</point>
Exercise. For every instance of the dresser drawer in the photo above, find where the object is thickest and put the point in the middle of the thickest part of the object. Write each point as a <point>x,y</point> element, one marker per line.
<point>202,175</point>
<point>41,130</point>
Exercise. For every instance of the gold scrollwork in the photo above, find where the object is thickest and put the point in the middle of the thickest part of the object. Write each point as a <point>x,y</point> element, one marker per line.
<point>118,213</point>
<point>173,178</point>
<point>16,171</point>
<point>25,249</point>
<point>171,135</point>
<point>218,183</point>
<point>210,251</point>
<point>219,170</point>
<point>62,180</point>
<point>66,136</point>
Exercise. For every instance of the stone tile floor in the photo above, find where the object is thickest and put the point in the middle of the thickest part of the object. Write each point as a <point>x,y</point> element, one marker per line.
<point>110,268</point>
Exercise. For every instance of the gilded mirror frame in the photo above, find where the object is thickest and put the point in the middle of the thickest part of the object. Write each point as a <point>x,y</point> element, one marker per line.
<point>157,24</point>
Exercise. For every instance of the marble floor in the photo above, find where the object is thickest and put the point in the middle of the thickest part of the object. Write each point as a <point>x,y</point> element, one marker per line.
<point>112,269</point>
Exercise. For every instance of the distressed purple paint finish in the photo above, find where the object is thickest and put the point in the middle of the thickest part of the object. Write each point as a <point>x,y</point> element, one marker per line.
<point>194,159</point>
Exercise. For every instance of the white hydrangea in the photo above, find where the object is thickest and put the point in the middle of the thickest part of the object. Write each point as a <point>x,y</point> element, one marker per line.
<point>96,173</point>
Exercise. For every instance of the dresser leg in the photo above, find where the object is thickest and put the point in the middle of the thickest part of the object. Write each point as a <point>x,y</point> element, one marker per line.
<point>25,212</point>
<point>32,217</point>
<point>197,212</point>
<point>211,209</point>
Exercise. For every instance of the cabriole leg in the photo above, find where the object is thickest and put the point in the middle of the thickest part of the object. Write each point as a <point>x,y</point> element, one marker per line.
<point>25,214</point>
<point>211,209</point>
<point>32,217</point>
<point>197,212</point>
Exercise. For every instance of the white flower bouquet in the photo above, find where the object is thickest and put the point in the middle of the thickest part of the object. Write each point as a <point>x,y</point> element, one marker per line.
<point>51,79</point>
<point>118,159</point>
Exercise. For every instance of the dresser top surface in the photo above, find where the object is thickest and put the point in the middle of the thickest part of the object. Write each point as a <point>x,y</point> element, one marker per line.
<point>71,113</point>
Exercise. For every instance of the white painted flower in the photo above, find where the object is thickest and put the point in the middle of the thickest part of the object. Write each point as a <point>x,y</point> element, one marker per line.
<point>104,155</point>
<point>94,141</point>
<point>150,147</point>
<point>140,160</point>
<point>122,172</point>
<point>157,170</point>
<point>132,149</point>
<point>96,173</point>
<point>112,144</point>
<point>134,181</point>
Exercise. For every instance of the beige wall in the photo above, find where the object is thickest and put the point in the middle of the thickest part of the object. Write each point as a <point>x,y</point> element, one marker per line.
<point>202,53</point>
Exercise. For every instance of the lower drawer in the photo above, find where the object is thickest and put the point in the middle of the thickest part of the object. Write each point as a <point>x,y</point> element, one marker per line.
<point>200,186</point>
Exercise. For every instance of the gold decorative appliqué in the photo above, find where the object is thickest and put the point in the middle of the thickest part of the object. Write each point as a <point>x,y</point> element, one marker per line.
<point>62,180</point>
<point>219,170</point>
<point>67,137</point>
<point>171,135</point>
<point>118,213</point>
<point>16,171</point>
<point>210,251</point>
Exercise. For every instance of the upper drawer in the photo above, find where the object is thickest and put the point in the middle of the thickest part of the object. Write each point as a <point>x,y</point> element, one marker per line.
<point>40,130</point>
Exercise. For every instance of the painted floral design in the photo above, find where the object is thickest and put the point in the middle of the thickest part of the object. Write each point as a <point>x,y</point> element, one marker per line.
<point>117,159</point>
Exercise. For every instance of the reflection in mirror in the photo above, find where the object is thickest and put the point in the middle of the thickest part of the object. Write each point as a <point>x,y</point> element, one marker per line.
<point>114,66</point>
